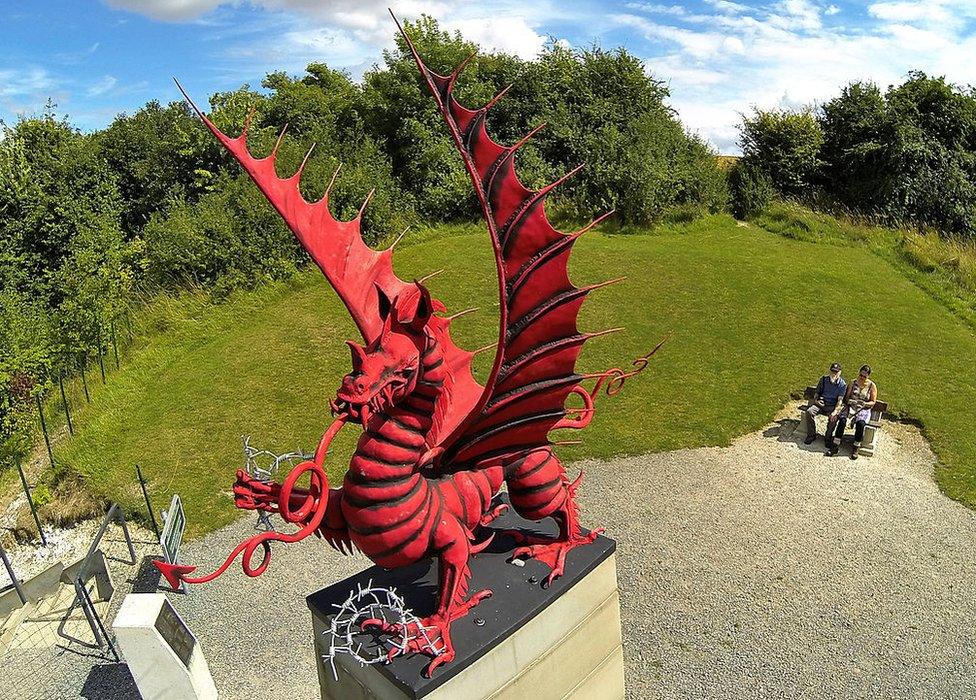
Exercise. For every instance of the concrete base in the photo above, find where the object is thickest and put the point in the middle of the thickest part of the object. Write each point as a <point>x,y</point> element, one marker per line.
<point>561,642</point>
<point>164,658</point>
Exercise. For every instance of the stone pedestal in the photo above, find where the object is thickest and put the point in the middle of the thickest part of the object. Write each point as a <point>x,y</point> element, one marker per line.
<point>163,656</point>
<point>524,641</point>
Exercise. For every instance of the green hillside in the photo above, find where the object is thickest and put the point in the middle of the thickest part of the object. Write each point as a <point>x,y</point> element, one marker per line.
<point>756,317</point>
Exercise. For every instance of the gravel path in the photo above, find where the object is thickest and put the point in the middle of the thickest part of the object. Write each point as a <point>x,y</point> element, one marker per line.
<point>759,570</point>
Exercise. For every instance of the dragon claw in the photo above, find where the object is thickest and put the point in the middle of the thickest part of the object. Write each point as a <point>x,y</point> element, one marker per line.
<point>430,635</point>
<point>553,553</point>
<point>493,514</point>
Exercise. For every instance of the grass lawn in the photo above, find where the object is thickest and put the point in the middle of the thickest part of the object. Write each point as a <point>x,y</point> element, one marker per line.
<point>756,317</point>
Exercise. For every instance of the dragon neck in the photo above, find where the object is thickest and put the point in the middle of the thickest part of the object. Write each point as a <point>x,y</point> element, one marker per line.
<point>433,373</point>
<point>402,433</point>
<point>430,387</point>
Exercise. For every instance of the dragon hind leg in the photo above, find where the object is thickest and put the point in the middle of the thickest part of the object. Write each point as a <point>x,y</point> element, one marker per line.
<point>432,636</point>
<point>539,488</point>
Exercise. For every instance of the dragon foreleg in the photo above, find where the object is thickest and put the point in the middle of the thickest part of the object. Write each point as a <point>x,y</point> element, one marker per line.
<point>304,507</point>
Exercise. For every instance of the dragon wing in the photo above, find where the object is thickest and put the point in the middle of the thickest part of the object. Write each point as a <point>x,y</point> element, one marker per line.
<point>356,272</point>
<point>538,341</point>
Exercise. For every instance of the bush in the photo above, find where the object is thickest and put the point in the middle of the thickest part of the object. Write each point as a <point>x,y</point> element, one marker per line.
<point>903,156</point>
<point>785,145</point>
<point>600,108</point>
<point>750,190</point>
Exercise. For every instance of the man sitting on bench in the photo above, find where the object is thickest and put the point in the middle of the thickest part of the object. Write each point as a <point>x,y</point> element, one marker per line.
<point>826,401</point>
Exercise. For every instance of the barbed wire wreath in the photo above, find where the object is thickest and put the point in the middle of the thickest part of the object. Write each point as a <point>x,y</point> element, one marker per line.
<point>379,603</point>
<point>264,465</point>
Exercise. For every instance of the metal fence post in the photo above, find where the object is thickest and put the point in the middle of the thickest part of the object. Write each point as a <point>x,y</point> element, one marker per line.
<point>84,379</point>
<point>101,361</point>
<point>145,494</point>
<point>30,500</point>
<point>115,345</point>
<point>47,439</point>
<point>13,576</point>
<point>64,403</point>
<point>81,593</point>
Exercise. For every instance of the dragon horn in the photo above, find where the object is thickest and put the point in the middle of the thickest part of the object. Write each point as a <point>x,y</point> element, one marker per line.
<point>358,354</point>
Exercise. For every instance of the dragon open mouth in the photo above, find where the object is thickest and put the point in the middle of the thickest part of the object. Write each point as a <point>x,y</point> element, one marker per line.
<point>360,408</point>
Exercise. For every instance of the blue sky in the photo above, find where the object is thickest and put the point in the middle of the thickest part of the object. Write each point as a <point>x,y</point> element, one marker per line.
<point>719,57</point>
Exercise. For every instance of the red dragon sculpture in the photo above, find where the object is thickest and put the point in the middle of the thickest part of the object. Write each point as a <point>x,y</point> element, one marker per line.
<point>436,445</point>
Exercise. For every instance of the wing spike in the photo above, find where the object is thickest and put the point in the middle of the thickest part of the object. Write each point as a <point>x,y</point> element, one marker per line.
<point>550,187</point>
<point>365,202</point>
<point>525,139</point>
<point>399,238</point>
<point>428,276</point>
<point>596,222</point>
<point>247,122</point>
<point>457,71</point>
<point>328,188</point>
<point>509,154</point>
<point>298,173</point>
<point>484,349</point>
<point>459,314</point>
<point>602,333</point>
<point>192,103</point>
<point>499,95</point>
<point>281,136</point>
<point>600,285</point>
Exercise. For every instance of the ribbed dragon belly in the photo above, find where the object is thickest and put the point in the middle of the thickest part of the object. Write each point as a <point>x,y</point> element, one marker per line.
<point>389,508</point>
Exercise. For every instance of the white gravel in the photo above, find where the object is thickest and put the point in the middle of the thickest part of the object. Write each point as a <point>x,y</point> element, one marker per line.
<point>759,570</point>
<point>64,544</point>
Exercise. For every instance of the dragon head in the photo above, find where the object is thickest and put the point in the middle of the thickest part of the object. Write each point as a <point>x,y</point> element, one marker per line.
<point>387,370</point>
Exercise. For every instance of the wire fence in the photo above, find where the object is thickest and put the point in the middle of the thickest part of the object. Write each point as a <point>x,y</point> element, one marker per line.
<point>59,644</point>
<point>48,648</point>
<point>69,387</point>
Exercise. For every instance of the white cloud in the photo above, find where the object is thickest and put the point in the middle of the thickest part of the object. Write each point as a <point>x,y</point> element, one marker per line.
<point>23,83</point>
<point>507,34</point>
<point>727,7</point>
<point>908,11</point>
<point>102,86</point>
<point>800,13</point>
<point>169,10</point>
<point>787,53</point>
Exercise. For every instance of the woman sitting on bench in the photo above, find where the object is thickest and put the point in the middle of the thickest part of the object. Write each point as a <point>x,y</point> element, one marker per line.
<point>860,397</point>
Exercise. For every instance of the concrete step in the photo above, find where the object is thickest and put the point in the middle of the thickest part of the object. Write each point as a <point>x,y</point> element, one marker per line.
<point>55,606</point>
<point>12,624</point>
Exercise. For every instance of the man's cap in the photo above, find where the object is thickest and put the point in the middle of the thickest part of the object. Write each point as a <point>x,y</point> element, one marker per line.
<point>835,367</point>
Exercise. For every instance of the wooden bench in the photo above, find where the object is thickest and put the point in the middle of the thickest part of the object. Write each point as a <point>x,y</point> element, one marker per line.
<point>870,441</point>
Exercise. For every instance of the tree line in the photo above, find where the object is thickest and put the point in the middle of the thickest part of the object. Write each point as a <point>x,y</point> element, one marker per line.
<point>902,156</point>
<point>92,222</point>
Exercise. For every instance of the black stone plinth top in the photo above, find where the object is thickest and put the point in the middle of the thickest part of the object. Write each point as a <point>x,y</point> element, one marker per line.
<point>517,597</point>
